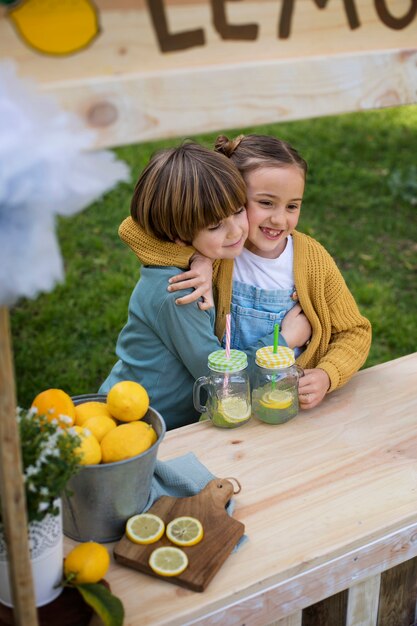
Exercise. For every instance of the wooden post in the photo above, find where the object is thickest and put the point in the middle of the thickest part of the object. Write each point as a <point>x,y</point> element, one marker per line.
<point>11,487</point>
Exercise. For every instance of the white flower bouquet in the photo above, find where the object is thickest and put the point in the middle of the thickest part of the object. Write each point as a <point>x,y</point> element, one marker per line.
<point>49,460</point>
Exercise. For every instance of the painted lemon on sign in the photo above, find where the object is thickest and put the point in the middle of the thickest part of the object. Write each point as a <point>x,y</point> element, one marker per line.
<point>56,27</point>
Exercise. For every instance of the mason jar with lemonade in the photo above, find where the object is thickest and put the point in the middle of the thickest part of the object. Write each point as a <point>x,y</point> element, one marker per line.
<point>275,385</point>
<point>228,391</point>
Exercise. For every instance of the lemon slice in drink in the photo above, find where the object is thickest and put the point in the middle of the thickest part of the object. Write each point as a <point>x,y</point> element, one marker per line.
<point>144,528</point>
<point>168,561</point>
<point>277,399</point>
<point>185,531</point>
<point>234,410</point>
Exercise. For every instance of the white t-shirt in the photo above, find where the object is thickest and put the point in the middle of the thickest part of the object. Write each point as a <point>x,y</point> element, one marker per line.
<point>251,269</point>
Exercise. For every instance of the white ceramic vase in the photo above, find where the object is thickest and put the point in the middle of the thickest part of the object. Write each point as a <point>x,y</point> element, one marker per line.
<point>46,554</point>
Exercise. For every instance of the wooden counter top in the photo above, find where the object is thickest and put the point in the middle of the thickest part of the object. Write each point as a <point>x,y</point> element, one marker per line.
<point>327,499</point>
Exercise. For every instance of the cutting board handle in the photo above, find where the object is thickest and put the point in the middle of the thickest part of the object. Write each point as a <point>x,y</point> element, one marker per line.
<point>219,491</point>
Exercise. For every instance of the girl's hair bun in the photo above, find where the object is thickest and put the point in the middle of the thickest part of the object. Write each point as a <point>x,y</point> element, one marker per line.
<point>227,146</point>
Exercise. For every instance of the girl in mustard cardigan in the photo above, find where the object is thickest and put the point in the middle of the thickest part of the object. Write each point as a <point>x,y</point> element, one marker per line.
<point>279,270</point>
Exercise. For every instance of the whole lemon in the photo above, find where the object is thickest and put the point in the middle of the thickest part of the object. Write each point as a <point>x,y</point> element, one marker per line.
<point>86,410</point>
<point>127,401</point>
<point>87,563</point>
<point>99,425</point>
<point>55,404</point>
<point>126,441</point>
<point>89,448</point>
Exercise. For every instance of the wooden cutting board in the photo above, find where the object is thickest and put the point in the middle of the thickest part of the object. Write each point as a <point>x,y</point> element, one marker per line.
<point>221,534</point>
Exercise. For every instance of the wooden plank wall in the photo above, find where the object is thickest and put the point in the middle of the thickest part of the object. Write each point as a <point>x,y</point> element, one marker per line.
<point>388,599</point>
<point>166,68</point>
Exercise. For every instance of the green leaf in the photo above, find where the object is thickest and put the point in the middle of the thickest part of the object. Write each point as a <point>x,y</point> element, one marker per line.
<point>103,602</point>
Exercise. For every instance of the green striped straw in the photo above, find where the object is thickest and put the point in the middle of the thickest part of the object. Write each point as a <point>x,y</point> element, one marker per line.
<point>275,350</point>
<point>276,338</point>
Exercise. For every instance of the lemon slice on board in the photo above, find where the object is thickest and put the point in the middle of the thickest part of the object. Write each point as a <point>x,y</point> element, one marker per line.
<point>277,399</point>
<point>144,528</point>
<point>168,561</point>
<point>235,409</point>
<point>185,531</point>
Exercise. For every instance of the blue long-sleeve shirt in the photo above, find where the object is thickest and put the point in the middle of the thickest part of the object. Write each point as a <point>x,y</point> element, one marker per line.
<point>165,347</point>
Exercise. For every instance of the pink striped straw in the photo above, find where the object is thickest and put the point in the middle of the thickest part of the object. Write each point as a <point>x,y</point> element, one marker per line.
<point>228,336</point>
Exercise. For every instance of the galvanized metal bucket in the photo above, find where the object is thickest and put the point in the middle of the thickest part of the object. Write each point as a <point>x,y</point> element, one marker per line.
<point>102,497</point>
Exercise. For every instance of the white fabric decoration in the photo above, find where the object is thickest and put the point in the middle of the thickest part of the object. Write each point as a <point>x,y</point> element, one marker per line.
<point>45,170</point>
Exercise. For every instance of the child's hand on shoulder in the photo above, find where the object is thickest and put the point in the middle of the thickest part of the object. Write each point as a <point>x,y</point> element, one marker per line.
<point>312,387</point>
<point>199,278</point>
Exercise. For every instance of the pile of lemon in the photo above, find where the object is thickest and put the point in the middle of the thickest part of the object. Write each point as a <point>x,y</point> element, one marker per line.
<point>110,431</point>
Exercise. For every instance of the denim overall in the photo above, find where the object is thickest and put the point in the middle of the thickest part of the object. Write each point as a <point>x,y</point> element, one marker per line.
<point>255,312</point>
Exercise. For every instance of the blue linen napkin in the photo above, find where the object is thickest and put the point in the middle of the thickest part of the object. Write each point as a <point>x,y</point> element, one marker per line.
<point>183,477</point>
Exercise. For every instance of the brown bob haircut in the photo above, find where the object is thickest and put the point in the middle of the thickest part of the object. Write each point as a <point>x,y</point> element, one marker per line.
<point>184,190</point>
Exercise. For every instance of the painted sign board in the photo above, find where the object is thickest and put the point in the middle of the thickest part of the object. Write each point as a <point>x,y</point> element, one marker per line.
<point>137,70</point>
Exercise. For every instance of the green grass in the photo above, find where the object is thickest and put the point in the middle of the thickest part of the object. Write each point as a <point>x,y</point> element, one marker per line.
<point>360,202</point>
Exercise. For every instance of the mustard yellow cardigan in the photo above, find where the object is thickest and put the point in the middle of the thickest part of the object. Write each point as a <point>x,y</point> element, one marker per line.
<point>341,336</point>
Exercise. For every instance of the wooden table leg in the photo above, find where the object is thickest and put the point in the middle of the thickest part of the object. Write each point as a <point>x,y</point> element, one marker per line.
<point>363,601</point>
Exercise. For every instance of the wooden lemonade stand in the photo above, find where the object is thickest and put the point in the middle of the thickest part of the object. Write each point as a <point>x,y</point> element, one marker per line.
<point>174,68</point>
<point>329,506</point>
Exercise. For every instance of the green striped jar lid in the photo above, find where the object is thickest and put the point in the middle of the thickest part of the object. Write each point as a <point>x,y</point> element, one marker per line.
<point>218,362</point>
<point>284,357</point>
